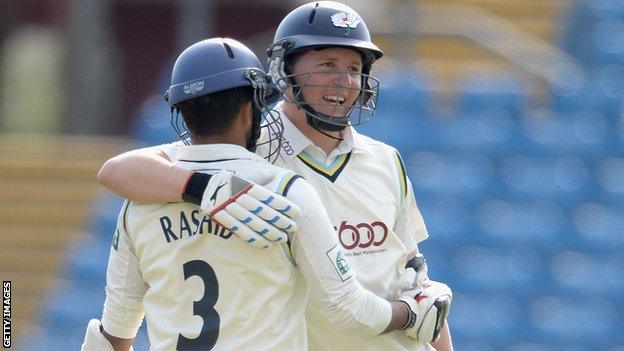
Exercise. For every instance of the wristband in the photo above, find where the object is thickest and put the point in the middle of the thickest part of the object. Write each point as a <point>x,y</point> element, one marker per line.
<point>411,317</point>
<point>195,187</point>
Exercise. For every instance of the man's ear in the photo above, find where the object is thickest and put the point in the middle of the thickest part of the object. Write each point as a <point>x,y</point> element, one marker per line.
<point>245,114</point>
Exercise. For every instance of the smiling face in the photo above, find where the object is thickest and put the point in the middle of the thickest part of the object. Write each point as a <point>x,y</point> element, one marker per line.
<point>329,79</point>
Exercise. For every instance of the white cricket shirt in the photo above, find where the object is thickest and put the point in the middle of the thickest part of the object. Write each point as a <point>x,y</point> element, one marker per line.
<point>199,285</point>
<point>369,199</point>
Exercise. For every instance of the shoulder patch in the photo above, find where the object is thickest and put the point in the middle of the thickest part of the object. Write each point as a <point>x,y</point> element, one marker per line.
<point>116,240</point>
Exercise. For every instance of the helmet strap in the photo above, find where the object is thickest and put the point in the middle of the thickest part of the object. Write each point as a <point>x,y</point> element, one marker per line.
<point>255,129</point>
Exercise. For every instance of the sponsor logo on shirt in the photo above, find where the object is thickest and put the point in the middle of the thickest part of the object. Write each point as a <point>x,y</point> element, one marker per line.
<point>336,257</point>
<point>362,235</point>
<point>288,149</point>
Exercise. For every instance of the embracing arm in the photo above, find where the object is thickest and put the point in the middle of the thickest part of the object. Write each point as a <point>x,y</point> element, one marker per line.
<point>444,343</point>
<point>144,175</point>
<point>331,282</point>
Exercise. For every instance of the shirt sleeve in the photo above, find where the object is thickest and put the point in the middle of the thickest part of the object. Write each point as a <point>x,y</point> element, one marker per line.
<point>125,288</point>
<point>171,150</point>
<point>331,281</point>
<point>409,225</point>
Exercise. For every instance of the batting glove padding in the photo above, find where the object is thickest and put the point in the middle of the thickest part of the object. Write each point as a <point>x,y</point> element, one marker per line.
<point>429,307</point>
<point>255,214</point>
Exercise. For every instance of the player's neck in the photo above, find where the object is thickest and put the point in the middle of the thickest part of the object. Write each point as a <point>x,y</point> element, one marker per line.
<point>324,142</point>
<point>218,139</point>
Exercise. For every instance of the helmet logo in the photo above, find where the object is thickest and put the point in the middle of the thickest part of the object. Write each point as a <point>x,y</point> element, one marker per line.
<point>345,20</point>
<point>193,88</point>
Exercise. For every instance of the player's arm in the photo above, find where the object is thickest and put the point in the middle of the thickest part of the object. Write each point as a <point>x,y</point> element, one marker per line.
<point>444,343</point>
<point>125,289</point>
<point>144,175</point>
<point>331,282</point>
<point>148,176</point>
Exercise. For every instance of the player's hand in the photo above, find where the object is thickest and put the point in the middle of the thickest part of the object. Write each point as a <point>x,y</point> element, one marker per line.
<point>255,214</point>
<point>429,307</point>
<point>415,275</point>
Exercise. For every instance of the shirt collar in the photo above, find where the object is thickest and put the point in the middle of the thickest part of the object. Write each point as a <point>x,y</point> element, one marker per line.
<point>295,141</point>
<point>215,152</point>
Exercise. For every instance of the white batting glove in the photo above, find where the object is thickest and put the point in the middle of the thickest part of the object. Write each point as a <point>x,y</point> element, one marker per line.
<point>416,274</point>
<point>255,214</point>
<point>94,339</point>
<point>429,307</point>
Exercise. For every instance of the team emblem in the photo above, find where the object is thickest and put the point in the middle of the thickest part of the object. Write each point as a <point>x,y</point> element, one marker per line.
<point>336,257</point>
<point>193,88</point>
<point>345,20</point>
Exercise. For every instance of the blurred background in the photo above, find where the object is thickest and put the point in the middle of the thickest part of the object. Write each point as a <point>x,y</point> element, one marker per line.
<point>508,113</point>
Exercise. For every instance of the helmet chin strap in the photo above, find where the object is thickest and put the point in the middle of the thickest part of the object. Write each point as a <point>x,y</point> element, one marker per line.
<point>312,117</point>
<point>255,130</point>
<point>316,119</point>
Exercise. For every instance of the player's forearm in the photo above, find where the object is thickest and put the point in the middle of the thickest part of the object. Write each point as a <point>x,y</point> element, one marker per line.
<point>444,342</point>
<point>144,178</point>
<point>400,315</point>
<point>118,344</point>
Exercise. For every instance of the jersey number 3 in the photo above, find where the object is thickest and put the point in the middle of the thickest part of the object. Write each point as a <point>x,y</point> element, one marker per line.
<point>204,308</point>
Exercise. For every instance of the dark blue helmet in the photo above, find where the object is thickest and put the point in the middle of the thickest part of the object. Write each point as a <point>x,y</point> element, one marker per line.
<point>324,24</point>
<point>219,64</point>
<point>210,66</point>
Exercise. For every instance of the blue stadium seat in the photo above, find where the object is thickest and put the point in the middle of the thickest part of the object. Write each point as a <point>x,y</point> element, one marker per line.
<point>610,177</point>
<point>493,131</point>
<point>565,177</point>
<point>588,273</point>
<point>449,220</point>
<point>153,123</point>
<point>406,132</point>
<point>54,339</point>
<point>603,49</point>
<point>439,262</point>
<point>599,226</point>
<point>583,319</point>
<point>405,92</point>
<point>533,346</point>
<point>72,304</point>
<point>604,9</point>
<point>581,22</point>
<point>536,223</point>
<point>103,215</point>
<point>464,175</point>
<point>600,90</point>
<point>482,92</point>
<point>587,134</point>
<point>489,317</point>
<point>87,260</point>
<point>496,269</point>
